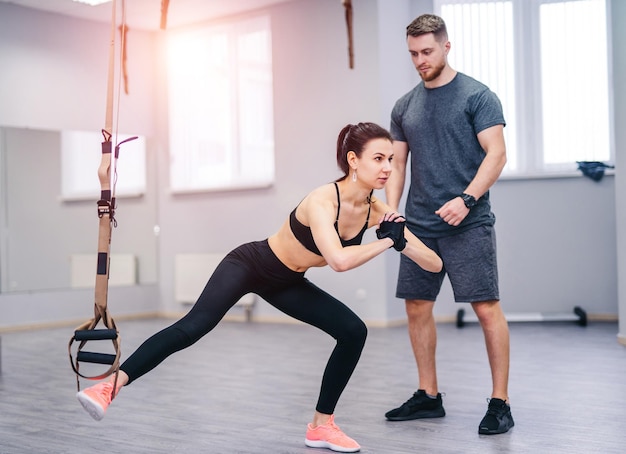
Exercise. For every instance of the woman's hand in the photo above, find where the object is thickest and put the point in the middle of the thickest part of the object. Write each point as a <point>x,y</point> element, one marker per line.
<point>391,225</point>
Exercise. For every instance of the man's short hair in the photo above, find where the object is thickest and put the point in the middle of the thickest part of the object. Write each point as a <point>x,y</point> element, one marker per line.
<point>428,23</point>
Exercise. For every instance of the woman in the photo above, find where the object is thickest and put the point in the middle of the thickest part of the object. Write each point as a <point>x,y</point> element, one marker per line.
<point>326,228</point>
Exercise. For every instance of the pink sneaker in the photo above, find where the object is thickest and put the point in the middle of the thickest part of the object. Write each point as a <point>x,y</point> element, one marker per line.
<point>330,436</point>
<point>96,399</point>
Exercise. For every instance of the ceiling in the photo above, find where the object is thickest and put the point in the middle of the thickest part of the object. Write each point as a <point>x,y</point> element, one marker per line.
<point>146,14</point>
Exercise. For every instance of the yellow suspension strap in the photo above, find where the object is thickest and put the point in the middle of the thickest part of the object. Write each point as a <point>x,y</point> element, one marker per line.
<point>89,330</point>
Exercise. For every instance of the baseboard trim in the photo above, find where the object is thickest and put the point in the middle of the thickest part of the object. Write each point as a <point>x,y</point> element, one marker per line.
<point>263,319</point>
<point>74,323</point>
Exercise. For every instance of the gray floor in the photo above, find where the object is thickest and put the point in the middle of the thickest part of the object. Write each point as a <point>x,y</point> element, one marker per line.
<point>251,388</point>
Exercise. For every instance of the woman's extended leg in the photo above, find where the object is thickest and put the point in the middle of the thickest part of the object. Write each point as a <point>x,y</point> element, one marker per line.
<point>227,285</point>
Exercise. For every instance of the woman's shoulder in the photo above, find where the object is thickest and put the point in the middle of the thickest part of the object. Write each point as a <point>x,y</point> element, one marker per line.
<point>322,196</point>
<point>321,193</point>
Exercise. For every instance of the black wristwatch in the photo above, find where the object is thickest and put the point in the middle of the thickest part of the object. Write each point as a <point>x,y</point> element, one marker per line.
<point>469,200</point>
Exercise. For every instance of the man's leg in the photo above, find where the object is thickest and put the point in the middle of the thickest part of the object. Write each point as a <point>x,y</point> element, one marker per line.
<point>426,402</point>
<point>423,336</point>
<point>496,330</point>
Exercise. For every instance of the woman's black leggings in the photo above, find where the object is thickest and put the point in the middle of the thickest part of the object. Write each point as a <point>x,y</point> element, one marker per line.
<point>253,268</point>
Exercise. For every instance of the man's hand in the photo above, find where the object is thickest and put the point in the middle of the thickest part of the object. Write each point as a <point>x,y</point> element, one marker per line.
<point>453,211</point>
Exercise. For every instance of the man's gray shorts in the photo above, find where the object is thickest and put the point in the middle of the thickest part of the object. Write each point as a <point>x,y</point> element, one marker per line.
<point>469,259</point>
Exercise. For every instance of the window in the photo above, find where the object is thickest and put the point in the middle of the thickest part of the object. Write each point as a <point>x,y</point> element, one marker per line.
<point>531,54</point>
<point>221,107</point>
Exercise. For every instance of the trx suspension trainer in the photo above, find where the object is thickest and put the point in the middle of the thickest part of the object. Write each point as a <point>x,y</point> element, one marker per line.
<point>107,175</point>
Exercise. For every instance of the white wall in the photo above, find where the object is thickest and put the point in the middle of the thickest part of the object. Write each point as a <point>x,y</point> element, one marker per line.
<point>556,237</point>
<point>54,74</point>
<point>316,94</point>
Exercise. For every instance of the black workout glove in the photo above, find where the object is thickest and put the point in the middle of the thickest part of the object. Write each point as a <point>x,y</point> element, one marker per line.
<point>393,230</point>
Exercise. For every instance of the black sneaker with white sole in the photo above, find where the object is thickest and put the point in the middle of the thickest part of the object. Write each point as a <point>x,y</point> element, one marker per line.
<point>420,405</point>
<point>498,419</point>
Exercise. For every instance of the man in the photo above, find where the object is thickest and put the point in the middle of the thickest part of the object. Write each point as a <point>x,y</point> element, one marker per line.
<point>453,127</point>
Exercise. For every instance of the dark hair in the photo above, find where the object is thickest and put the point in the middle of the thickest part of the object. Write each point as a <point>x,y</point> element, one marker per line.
<point>428,23</point>
<point>354,138</point>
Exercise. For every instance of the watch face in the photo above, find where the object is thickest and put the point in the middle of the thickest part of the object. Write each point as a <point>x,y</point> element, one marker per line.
<point>469,200</point>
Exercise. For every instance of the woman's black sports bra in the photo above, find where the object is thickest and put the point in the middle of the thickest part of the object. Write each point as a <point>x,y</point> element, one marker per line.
<point>305,237</point>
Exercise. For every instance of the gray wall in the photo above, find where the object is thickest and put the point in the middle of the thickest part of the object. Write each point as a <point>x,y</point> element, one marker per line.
<point>618,14</point>
<point>556,237</point>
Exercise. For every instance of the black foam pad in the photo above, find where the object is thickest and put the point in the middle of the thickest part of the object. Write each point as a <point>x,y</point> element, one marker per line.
<point>95,334</point>
<point>99,358</point>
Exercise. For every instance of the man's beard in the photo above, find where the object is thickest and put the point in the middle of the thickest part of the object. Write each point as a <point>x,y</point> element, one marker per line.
<point>433,73</point>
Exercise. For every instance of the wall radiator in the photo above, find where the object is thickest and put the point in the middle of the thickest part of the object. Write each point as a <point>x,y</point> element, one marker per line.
<point>83,268</point>
<point>191,273</point>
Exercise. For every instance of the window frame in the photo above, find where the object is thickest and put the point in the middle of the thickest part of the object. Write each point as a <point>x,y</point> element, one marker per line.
<point>230,149</point>
<point>528,91</point>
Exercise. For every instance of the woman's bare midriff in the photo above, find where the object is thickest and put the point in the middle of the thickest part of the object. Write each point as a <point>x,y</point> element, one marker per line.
<point>291,252</point>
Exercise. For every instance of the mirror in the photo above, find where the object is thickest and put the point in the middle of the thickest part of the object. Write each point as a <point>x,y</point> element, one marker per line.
<point>48,243</point>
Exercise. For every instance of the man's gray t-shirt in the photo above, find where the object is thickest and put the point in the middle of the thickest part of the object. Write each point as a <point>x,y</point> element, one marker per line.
<point>440,126</point>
